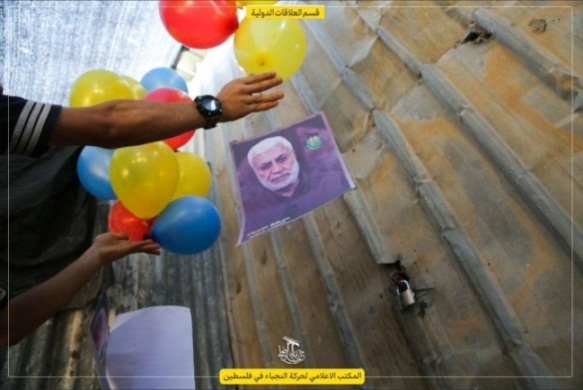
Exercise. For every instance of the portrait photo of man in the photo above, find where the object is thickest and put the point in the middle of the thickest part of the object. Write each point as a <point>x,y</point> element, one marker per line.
<point>286,174</point>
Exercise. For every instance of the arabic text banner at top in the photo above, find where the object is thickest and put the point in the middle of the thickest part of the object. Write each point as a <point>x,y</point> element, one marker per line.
<point>286,12</point>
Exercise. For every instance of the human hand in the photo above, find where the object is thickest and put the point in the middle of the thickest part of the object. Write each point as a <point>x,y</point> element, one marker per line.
<point>243,96</point>
<point>113,246</point>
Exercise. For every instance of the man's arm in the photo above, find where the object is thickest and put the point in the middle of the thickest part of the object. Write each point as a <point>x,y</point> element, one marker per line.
<point>120,123</point>
<point>31,309</point>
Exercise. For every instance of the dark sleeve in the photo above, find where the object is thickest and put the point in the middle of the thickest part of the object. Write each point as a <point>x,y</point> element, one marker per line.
<point>3,298</point>
<point>29,125</point>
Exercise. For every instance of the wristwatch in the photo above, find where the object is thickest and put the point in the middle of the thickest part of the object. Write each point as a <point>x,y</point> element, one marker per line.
<point>210,108</point>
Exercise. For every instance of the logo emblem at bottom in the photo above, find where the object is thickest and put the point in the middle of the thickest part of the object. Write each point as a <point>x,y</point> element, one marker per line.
<point>291,354</point>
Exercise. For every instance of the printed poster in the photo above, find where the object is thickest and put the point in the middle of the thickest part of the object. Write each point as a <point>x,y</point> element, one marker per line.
<point>286,174</point>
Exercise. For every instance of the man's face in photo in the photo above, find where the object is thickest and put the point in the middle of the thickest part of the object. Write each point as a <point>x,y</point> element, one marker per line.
<point>276,168</point>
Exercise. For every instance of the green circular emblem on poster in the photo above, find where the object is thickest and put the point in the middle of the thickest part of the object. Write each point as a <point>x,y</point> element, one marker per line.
<point>314,142</point>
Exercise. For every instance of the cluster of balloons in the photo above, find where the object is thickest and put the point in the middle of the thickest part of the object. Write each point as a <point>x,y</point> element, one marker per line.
<point>157,190</point>
<point>261,45</point>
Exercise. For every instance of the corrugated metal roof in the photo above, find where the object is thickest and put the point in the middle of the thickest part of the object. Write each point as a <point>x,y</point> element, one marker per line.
<point>460,123</point>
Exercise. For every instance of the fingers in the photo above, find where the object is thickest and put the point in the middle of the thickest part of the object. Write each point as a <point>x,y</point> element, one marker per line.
<point>145,246</point>
<point>271,97</point>
<point>261,82</point>
<point>266,101</point>
<point>243,96</point>
<point>256,78</point>
<point>121,236</point>
<point>264,85</point>
<point>266,106</point>
<point>262,102</point>
<point>153,250</point>
<point>262,98</point>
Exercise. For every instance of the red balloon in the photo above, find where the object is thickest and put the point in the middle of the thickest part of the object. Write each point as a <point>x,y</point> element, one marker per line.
<point>199,24</point>
<point>179,140</point>
<point>122,221</point>
<point>169,95</point>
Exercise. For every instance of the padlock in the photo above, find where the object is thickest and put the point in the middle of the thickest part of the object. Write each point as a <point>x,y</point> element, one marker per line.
<point>406,296</point>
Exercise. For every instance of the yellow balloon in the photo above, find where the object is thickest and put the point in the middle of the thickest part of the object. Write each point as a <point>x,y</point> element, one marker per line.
<point>97,86</point>
<point>243,3</point>
<point>194,177</point>
<point>263,45</point>
<point>144,177</point>
<point>137,88</point>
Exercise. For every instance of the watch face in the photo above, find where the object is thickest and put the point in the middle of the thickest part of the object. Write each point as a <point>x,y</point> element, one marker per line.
<point>211,104</point>
<point>210,108</point>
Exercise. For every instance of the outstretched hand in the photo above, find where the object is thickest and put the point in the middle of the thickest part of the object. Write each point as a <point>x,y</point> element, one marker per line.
<point>245,95</point>
<point>114,246</point>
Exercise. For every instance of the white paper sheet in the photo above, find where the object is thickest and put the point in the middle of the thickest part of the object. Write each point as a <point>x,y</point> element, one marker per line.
<point>151,348</point>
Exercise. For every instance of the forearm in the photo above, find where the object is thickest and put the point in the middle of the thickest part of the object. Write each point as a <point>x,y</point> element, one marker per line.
<point>121,123</point>
<point>31,309</point>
